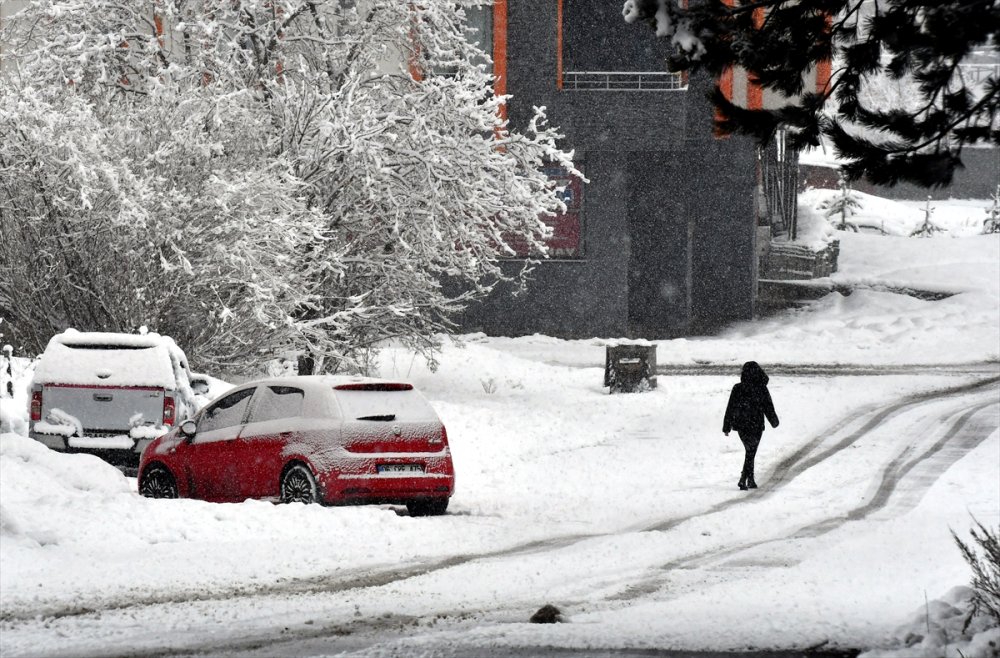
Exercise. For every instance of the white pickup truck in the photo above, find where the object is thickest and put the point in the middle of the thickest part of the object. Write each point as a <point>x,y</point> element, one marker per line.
<point>110,394</point>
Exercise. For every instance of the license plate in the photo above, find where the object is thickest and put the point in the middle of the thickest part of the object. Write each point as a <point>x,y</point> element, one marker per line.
<point>400,468</point>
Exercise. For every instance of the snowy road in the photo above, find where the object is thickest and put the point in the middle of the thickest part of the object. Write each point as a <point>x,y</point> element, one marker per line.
<point>873,465</point>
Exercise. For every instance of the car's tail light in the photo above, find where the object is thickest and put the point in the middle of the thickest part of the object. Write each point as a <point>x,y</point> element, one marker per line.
<point>168,410</point>
<point>444,435</point>
<point>36,405</point>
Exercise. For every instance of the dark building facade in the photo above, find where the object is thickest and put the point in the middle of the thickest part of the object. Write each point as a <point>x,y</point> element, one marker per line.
<point>661,241</point>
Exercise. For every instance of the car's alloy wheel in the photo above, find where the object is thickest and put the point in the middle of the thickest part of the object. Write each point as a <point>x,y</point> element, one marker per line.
<point>157,482</point>
<point>298,485</point>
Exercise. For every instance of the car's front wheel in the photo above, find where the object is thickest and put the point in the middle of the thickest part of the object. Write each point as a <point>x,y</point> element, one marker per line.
<point>298,485</point>
<point>427,507</point>
<point>157,482</point>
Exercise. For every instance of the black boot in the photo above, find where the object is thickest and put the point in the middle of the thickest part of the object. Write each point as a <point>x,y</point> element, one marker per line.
<point>742,485</point>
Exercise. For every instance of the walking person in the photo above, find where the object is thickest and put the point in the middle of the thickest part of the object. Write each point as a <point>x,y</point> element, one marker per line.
<point>749,403</point>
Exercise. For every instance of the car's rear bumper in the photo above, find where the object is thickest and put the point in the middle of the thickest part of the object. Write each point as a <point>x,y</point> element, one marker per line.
<point>120,451</point>
<point>367,488</point>
<point>54,441</point>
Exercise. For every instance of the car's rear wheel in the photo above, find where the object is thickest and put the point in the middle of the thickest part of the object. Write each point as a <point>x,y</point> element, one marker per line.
<point>427,507</point>
<point>298,485</point>
<point>157,482</point>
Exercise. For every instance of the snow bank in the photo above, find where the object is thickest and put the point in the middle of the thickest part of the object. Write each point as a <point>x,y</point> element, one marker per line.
<point>76,534</point>
<point>14,411</point>
<point>814,229</point>
<point>32,475</point>
<point>956,218</point>
<point>937,630</point>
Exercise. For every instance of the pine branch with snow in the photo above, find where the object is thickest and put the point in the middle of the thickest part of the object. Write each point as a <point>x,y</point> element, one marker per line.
<point>943,99</point>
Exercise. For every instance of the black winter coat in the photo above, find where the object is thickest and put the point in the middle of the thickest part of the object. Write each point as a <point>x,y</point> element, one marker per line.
<point>750,402</point>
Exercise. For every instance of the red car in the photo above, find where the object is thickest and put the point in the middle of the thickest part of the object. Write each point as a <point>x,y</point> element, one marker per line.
<point>333,440</point>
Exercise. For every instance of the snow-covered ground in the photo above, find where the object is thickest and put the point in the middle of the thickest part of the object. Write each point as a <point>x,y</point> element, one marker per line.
<point>622,510</point>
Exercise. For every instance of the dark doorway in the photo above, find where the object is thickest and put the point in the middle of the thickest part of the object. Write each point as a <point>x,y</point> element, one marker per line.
<point>659,271</point>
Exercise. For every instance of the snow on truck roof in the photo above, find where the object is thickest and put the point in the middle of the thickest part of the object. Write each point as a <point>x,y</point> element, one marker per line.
<point>109,359</point>
<point>73,337</point>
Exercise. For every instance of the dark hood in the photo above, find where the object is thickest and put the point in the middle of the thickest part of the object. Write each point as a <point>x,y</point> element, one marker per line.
<point>753,375</point>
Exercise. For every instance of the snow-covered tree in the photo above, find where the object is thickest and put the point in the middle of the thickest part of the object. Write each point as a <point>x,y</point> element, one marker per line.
<point>843,206</point>
<point>992,222</point>
<point>116,219</point>
<point>927,228</point>
<point>260,175</point>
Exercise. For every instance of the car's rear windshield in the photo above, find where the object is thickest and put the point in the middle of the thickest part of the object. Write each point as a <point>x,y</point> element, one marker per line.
<point>374,405</point>
<point>108,347</point>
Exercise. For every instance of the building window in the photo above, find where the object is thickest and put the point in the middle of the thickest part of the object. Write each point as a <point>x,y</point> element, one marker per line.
<point>566,241</point>
<point>481,19</point>
<point>598,51</point>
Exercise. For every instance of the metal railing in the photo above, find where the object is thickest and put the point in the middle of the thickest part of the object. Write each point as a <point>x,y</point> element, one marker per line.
<point>623,81</point>
<point>977,73</point>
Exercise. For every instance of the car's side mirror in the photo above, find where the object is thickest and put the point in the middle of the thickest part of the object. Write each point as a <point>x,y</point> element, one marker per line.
<point>188,428</point>
<point>199,385</point>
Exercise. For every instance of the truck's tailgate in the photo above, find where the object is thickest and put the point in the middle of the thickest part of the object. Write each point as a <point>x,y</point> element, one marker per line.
<point>105,408</point>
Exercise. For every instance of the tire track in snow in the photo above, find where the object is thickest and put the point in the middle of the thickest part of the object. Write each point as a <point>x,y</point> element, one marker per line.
<point>786,471</point>
<point>966,432</point>
<point>341,582</point>
<point>872,416</point>
<point>967,429</point>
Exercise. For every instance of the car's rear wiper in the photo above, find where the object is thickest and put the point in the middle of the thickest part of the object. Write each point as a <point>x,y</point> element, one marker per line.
<point>378,417</point>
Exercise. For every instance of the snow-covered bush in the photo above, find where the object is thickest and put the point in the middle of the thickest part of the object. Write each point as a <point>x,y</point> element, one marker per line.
<point>941,628</point>
<point>258,177</point>
<point>965,622</point>
<point>985,571</point>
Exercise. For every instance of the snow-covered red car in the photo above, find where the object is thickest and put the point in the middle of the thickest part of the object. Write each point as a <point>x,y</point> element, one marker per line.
<point>110,394</point>
<point>332,440</point>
